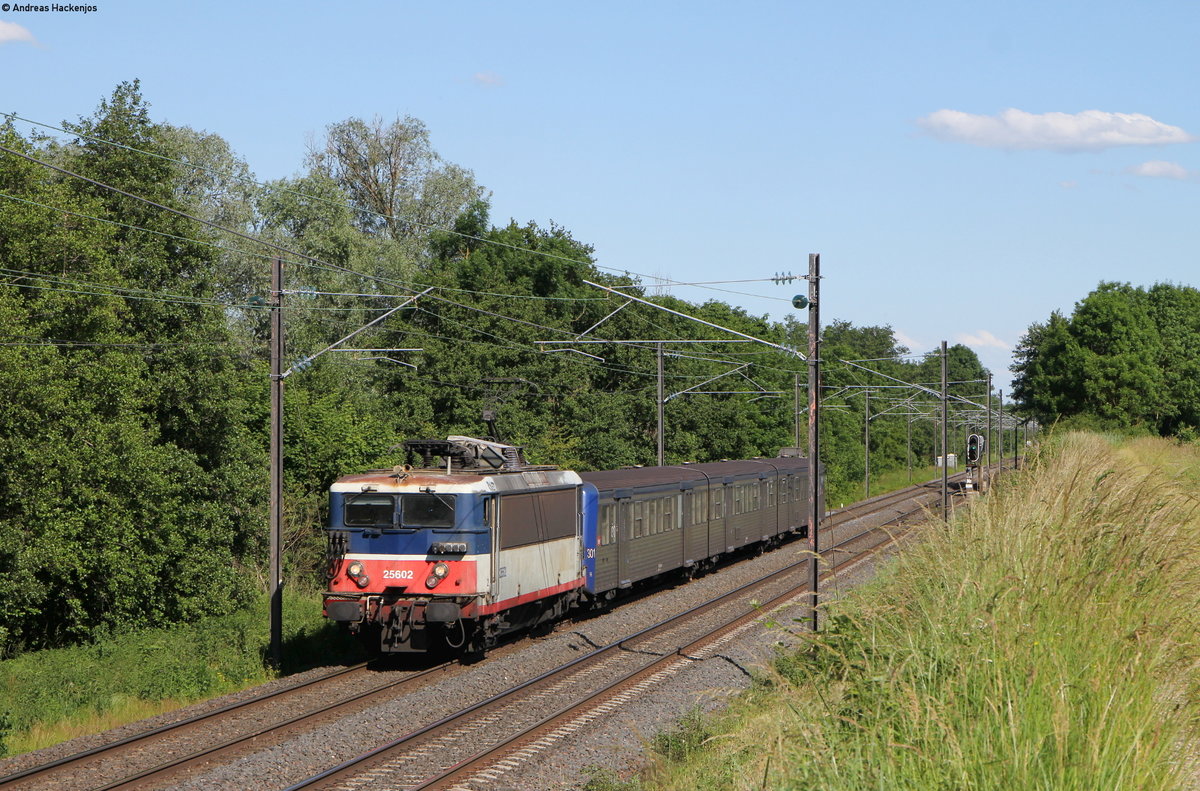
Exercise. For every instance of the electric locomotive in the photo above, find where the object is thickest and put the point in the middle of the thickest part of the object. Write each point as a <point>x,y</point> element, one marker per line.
<point>459,551</point>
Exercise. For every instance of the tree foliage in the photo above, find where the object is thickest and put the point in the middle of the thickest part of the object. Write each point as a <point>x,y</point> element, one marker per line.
<point>398,183</point>
<point>1127,357</point>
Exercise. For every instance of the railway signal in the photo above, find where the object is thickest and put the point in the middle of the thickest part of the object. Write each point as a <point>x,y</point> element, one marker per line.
<point>975,445</point>
<point>975,451</point>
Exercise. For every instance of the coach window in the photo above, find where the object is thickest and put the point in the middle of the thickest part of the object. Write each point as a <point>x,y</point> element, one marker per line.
<point>675,514</point>
<point>770,494</point>
<point>739,500</point>
<point>784,485</point>
<point>718,503</point>
<point>607,532</point>
<point>754,500</point>
<point>699,506</point>
<point>639,522</point>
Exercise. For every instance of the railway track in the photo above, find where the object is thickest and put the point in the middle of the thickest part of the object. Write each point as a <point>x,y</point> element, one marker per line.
<point>592,684</point>
<point>150,758</point>
<point>475,747</point>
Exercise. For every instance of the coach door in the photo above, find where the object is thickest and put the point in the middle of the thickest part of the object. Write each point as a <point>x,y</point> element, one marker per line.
<point>624,505</point>
<point>718,523</point>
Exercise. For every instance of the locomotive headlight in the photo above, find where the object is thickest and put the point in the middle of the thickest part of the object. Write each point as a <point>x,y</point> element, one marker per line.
<point>440,570</point>
<point>362,580</point>
<point>355,569</point>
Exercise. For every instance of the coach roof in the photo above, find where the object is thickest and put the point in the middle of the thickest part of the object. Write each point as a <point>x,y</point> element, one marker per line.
<point>696,473</point>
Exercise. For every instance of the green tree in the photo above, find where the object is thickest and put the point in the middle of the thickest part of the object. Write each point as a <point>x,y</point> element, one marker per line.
<point>127,477</point>
<point>399,184</point>
<point>1126,357</point>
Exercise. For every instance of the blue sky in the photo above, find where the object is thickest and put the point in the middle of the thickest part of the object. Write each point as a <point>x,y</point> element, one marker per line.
<point>963,169</point>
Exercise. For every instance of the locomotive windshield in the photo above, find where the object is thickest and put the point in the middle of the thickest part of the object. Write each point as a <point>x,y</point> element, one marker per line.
<point>374,510</point>
<point>426,510</point>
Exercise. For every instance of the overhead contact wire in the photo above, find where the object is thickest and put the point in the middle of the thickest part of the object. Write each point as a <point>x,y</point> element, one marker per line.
<point>427,226</point>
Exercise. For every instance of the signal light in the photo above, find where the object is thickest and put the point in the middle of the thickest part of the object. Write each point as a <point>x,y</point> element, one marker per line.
<point>974,448</point>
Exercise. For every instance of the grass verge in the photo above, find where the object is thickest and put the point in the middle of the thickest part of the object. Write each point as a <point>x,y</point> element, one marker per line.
<point>1046,640</point>
<point>47,697</point>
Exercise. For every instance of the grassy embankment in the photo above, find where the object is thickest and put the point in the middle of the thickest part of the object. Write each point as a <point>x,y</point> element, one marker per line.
<point>1047,640</point>
<point>50,696</point>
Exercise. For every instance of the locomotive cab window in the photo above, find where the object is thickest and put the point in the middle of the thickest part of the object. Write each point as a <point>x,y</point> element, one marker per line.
<point>370,510</point>
<point>427,510</point>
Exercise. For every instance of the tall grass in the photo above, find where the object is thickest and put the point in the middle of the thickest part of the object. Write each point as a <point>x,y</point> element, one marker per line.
<point>50,696</point>
<point>1047,639</point>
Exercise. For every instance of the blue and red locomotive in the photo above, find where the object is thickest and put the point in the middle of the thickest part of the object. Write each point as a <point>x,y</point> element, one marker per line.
<point>473,542</point>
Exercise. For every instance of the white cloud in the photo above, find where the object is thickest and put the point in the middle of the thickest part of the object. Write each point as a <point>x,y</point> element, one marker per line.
<point>1158,169</point>
<point>982,338</point>
<point>1090,130</point>
<point>906,340</point>
<point>487,79</point>
<point>11,31</point>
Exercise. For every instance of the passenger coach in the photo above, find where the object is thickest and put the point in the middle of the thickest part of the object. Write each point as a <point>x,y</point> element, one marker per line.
<point>655,519</point>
